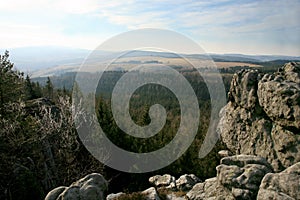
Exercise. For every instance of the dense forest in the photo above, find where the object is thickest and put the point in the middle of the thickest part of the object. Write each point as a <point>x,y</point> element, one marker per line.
<point>40,149</point>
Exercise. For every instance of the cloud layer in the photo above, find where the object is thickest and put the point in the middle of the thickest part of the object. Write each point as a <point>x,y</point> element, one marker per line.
<point>223,26</point>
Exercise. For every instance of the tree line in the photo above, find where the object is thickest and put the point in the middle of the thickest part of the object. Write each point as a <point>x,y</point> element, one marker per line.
<point>40,148</point>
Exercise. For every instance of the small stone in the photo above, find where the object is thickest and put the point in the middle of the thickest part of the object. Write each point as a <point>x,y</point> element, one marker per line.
<point>224,153</point>
<point>186,182</point>
<point>160,181</point>
<point>151,194</point>
<point>114,196</point>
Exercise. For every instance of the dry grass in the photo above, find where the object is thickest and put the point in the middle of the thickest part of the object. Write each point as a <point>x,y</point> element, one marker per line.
<point>163,192</point>
<point>132,196</point>
<point>234,64</point>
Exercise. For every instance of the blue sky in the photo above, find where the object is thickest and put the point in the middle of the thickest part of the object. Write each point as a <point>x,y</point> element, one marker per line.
<point>218,26</point>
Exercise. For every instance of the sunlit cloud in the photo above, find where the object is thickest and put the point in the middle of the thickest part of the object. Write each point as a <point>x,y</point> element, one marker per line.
<point>221,26</point>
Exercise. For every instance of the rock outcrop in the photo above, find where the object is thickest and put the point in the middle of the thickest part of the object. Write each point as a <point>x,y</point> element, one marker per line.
<point>114,196</point>
<point>163,181</point>
<point>91,187</point>
<point>186,182</point>
<point>262,121</point>
<point>262,116</point>
<point>166,186</point>
<point>151,194</point>
<point>183,183</point>
<point>284,185</point>
<point>238,177</point>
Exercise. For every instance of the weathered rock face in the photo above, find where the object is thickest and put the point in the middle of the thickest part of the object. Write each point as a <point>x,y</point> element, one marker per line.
<point>238,177</point>
<point>243,89</point>
<point>164,180</point>
<point>284,185</point>
<point>242,174</point>
<point>91,187</point>
<point>279,96</point>
<point>151,194</point>
<point>183,183</point>
<point>186,182</point>
<point>114,196</point>
<point>262,116</point>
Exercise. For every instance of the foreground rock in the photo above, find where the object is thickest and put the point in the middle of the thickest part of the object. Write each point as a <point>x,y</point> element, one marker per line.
<point>114,196</point>
<point>183,183</point>
<point>91,187</point>
<point>279,96</point>
<point>186,182</point>
<point>238,177</point>
<point>262,116</point>
<point>242,175</point>
<point>151,194</point>
<point>204,190</point>
<point>284,185</point>
<point>162,181</point>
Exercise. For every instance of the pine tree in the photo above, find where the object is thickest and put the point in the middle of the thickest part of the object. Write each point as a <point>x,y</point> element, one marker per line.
<point>29,92</point>
<point>37,89</point>
<point>11,82</point>
<point>145,118</point>
<point>49,88</point>
<point>65,92</point>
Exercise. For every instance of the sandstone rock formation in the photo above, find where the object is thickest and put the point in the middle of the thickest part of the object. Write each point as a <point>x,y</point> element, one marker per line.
<point>151,194</point>
<point>238,177</point>
<point>186,182</point>
<point>164,180</point>
<point>284,185</point>
<point>262,116</point>
<point>183,183</point>
<point>114,196</point>
<point>262,120</point>
<point>91,187</point>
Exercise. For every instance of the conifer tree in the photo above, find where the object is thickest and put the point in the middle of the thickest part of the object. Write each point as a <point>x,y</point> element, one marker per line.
<point>11,82</point>
<point>49,88</point>
<point>29,92</point>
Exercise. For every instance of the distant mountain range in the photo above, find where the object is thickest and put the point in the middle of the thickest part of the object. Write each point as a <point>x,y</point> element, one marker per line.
<point>49,60</point>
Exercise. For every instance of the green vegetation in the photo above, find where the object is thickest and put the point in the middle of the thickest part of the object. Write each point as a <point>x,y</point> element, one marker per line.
<point>40,149</point>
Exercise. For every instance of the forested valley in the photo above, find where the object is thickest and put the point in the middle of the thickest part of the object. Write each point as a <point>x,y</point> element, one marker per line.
<point>40,148</point>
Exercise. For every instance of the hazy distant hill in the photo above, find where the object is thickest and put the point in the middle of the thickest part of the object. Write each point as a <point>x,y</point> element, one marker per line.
<point>38,58</point>
<point>53,60</point>
<point>251,58</point>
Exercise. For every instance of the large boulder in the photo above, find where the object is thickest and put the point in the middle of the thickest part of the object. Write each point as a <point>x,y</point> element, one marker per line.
<point>209,190</point>
<point>186,182</point>
<point>53,194</point>
<point>162,180</point>
<point>238,177</point>
<point>113,196</point>
<point>243,88</point>
<point>151,194</point>
<point>91,187</point>
<point>262,116</point>
<point>284,185</point>
<point>279,96</point>
<point>242,174</point>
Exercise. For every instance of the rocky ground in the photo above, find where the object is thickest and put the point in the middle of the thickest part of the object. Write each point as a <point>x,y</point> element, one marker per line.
<point>260,126</point>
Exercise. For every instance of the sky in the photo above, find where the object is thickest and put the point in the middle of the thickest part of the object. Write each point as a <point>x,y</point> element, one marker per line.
<point>269,27</point>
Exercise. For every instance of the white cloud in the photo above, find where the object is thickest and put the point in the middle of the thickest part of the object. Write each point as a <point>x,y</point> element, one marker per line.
<point>51,6</point>
<point>43,35</point>
<point>252,23</point>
